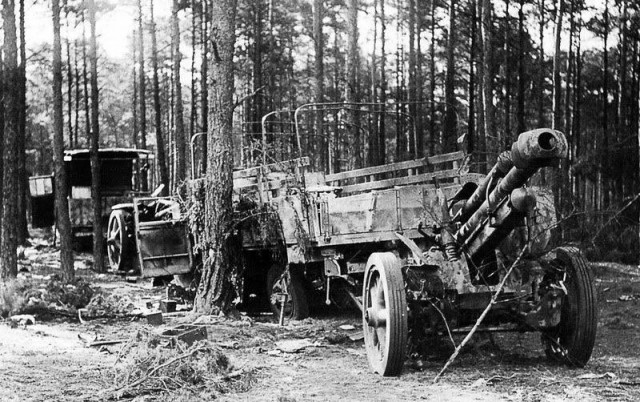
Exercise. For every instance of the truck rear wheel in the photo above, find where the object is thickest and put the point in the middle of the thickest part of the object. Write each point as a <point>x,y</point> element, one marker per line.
<point>572,341</point>
<point>385,314</point>
<point>280,283</point>
<point>120,242</point>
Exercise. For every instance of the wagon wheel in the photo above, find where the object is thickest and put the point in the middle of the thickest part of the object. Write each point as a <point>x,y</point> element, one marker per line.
<point>571,342</point>
<point>385,314</point>
<point>119,247</point>
<point>280,283</point>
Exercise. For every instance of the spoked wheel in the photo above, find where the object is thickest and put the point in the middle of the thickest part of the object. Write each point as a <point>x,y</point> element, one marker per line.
<point>119,244</point>
<point>571,342</point>
<point>281,284</point>
<point>385,314</point>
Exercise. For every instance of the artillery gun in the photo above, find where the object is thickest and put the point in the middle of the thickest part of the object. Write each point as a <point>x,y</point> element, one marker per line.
<point>448,279</point>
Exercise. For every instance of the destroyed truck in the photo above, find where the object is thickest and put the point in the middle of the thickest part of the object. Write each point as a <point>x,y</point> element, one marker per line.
<point>421,246</point>
<point>121,178</point>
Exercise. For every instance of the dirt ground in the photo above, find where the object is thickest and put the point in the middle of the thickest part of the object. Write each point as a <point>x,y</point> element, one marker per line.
<point>50,361</point>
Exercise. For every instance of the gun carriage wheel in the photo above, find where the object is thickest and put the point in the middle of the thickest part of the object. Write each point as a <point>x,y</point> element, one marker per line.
<point>385,314</point>
<point>281,284</point>
<point>120,245</point>
<point>572,340</point>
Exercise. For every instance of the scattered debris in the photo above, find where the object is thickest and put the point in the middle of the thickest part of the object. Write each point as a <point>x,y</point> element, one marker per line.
<point>347,327</point>
<point>629,297</point>
<point>188,334</point>
<point>154,318</point>
<point>594,376</point>
<point>23,319</point>
<point>293,345</point>
<point>358,336</point>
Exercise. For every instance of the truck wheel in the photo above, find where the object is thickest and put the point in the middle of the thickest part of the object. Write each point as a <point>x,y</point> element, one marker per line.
<point>571,342</point>
<point>120,247</point>
<point>385,314</point>
<point>296,306</point>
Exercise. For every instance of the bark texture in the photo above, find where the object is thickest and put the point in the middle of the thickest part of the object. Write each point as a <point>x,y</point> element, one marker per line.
<point>216,288</point>
<point>61,201</point>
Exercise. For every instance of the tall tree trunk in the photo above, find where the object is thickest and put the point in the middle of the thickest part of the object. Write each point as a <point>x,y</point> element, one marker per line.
<point>472,80</point>
<point>142,138</point>
<point>216,288</point>
<point>134,106</point>
<point>204,84</point>
<point>318,79</point>
<point>9,242</point>
<point>193,113</point>
<point>67,44</point>
<point>157,107</point>
<point>432,79</point>
<point>85,81</point>
<point>179,134</point>
<point>450,123</point>
<point>23,179</point>
<point>351,92</point>
<point>412,85</point>
<point>96,198</point>
<point>382,128</point>
<point>556,123</point>
<point>2,120</point>
<point>61,201</point>
<point>603,179</point>
<point>541,69</point>
<point>490,131</point>
<point>521,74</point>
<point>506,140</point>
<point>481,138</point>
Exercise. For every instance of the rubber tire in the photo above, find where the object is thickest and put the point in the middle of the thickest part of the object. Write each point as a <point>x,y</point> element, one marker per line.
<point>579,316</point>
<point>391,360</point>
<point>297,294</point>
<point>127,246</point>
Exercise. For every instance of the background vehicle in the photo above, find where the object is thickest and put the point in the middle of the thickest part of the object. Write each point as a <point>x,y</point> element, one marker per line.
<point>122,175</point>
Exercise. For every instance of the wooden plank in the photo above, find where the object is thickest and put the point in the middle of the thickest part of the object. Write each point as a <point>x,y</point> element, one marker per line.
<point>400,181</point>
<point>284,165</point>
<point>412,164</point>
<point>375,170</point>
<point>450,157</point>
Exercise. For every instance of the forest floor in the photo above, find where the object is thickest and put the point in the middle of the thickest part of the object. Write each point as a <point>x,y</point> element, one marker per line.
<point>315,359</point>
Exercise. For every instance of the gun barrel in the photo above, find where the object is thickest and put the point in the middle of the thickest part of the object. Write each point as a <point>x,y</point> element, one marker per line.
<point>533,150</point>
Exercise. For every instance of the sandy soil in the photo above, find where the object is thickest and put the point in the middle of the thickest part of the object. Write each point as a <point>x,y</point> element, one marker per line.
<point>49,362</point>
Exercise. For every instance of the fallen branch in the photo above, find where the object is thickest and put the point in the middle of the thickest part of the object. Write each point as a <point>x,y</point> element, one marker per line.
<point>150,374</point>
<point>494,300</point>
<point>614,217</point>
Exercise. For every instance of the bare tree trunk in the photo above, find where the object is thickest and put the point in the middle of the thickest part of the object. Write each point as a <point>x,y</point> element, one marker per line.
<point>450,121</point>
<point>193,112</point>
<point>204,85</point>
<point>61,201</point>
<point>157,107</point>
<point>556,122</point>
<point>179,133</point>
<point>85,82</point>
<point>490,131</point>
<point>432,79</point>
<point>318,84</point>
<point>142,138</point>
<point>134,106</point>
<point>23,179</point>
<point>541,72</point>
<point>2,120</point>
<point>216,288</point>
<point>351,93</point>
<point>603,179</point>
<point>481,138</point>
<point>96,198</point>
<point>521,77</point>
<point>67,44</point>
<point>9,241</point>
<point>382,135</point>
<point>472,80</point>
<point>506,140</point>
